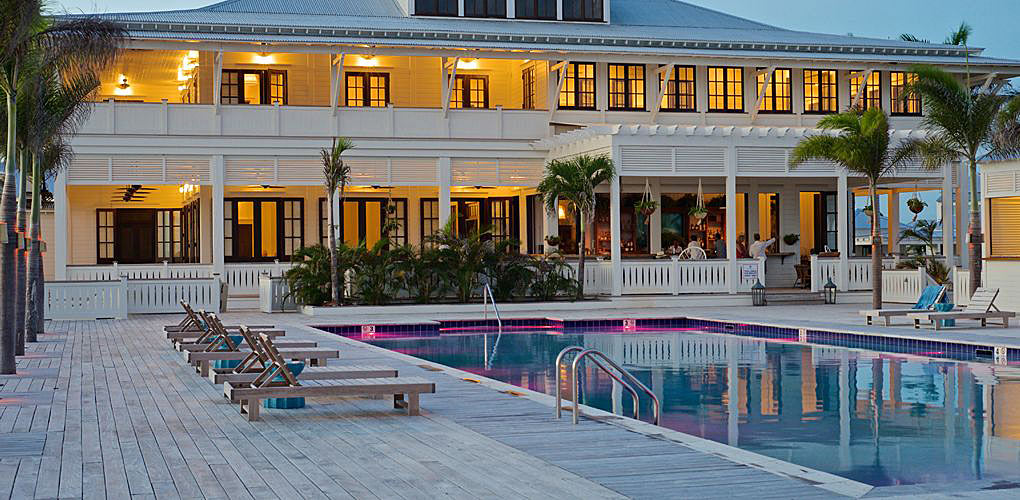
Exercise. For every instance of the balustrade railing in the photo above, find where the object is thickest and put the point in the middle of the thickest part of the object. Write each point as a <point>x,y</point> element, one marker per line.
<point>99,299</point>
<point>671,277</point>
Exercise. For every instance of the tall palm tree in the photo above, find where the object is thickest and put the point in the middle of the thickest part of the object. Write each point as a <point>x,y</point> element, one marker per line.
<point>861,146</point>
<point>574,181</point>
<point>337,175</point>
<point>958,37</point>
<point>964,124</point>
<point>61,47</point>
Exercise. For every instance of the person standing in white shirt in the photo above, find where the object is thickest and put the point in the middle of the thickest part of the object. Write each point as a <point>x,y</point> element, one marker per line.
<point>757,249</point>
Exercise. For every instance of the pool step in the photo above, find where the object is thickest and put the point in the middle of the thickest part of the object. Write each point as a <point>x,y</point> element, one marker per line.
<point>787,299</point>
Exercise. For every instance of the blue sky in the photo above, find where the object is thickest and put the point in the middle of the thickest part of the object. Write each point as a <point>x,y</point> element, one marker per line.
<point>993,20</point>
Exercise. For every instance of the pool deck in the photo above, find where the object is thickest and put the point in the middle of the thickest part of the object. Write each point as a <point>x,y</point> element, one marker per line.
<point>109,409</point>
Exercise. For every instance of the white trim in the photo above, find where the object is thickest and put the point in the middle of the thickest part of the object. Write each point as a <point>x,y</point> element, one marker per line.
<point>61,209</point>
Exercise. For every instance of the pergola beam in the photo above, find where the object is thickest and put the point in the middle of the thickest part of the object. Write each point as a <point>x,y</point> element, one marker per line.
<point>554,99</point>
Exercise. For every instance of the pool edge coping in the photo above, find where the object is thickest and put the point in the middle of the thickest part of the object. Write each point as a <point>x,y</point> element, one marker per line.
<point>820,479</point>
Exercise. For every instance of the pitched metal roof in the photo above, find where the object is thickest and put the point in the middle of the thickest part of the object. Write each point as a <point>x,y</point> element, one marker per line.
<point>652,24</point>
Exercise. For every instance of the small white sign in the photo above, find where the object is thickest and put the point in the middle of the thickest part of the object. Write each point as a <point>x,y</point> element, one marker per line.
<point>748,272</point>
<point>368,329</point>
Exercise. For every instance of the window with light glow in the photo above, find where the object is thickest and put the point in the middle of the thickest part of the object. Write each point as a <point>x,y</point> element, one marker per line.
<point>680,89</point>
<point>872,96</point>
<point>627,87</point>
<point>578,90</point>
<point>778,96</point>
<point>820,94</point>
<point>470,91</point>
<point>911,106</point>
<point>528,87</point>
<point>725,89</point>
<point>370,90</point>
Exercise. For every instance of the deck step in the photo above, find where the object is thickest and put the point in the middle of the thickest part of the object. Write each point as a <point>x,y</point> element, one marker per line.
<point>795,298</point>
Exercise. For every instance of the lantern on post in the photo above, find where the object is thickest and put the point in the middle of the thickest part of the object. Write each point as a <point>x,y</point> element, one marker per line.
<point>758,294</point>
<point>830,291</point>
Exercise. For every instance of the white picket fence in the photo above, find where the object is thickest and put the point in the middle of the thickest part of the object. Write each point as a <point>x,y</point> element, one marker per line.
<point>90,300</point>
<point>671,277</point>
<point>242,278</point>
<point>273,291</point>
<point>961,286</point>
<point>904,285</point>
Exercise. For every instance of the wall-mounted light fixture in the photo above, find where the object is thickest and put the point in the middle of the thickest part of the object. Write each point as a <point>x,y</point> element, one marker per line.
<point>122,87</point>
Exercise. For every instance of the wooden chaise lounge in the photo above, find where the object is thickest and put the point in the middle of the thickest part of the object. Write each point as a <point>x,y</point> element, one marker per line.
<point>256,362</point>
<point>191,323</point>
<point>277,381</point>
<point>981,307</point>
<point>926,302</point>
<point>208,331</point>
<point>220,339</point>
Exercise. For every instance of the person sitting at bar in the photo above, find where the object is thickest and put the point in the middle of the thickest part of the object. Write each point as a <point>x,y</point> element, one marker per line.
<point>694,242</point>
<point>758,247</point>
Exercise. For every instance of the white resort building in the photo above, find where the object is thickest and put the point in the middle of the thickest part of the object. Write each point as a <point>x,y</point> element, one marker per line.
<point>202,157</point>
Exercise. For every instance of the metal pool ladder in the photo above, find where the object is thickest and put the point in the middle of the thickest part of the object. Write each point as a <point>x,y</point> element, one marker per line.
<point>486,298</point>
<point>622,376</point>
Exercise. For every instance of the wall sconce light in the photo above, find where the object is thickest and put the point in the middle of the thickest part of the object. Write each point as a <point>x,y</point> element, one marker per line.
<point>264,58</point>
<point>122,87</point>
<point>368,60</point>
<point>467,63</point>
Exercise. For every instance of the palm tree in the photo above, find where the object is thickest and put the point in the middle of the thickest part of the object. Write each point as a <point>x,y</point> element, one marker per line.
<point>574,181</point>
<point>30,42</point>
<point>337,175</point>
<point>964,124</point>
<point>958,37</point>
<point>861,146</point>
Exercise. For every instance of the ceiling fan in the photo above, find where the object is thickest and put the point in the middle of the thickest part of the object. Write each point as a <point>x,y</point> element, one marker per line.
<point>134,193</point>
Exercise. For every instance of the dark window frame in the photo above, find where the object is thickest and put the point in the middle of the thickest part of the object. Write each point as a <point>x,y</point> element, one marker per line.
<point>896,96</point>
<point>529,87</point>
<point>266,95</point>
<point>596,14</point>
<point>536,8</point>
<point>169,234</point>
<point>438,9</point>
<point>577,92</point>
<point>775,99</point>
<point>465,91</point>
<point>863,104</point>
<point>366,88</point>
<point>725,96</point>
<point>191,223</point>
<point>281,235</point>
<point>101,241</point>
<point>384,204</point>
<point>628,94</point>
<point>677,97</point>
<point>832,85</point>
<point>497,8</point>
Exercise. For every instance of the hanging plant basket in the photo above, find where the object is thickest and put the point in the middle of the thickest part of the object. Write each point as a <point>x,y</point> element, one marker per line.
<point>647,207</point>
<point>916,206</point>
<point>699,211</point>
<point>868,211</point>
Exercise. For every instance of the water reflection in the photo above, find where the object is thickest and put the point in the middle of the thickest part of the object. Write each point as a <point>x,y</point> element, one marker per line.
<point>878,418</point>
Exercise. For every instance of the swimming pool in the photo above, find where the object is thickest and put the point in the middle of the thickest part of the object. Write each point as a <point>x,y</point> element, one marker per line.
<point>875,417</point>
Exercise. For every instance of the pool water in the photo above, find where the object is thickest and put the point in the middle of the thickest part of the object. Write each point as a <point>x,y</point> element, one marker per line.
<point>878,418</point>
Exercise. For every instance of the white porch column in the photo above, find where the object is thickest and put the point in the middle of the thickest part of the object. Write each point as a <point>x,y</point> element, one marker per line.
<point>551,226</point>
<point>217,215</point>
<point>206,223</point>
<point>445,179</point>
<point>731,220</point>
<point>615,250</point>
<point>948,242</point>
<point>963,214</point>
<point>655,221</point>
<point>60,211</point>
<point>753,221</point>
<point>842,233</point>
<point>893,209</point>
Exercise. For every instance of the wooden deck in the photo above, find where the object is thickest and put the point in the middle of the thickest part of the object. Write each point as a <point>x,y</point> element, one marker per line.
<point>109,409</point>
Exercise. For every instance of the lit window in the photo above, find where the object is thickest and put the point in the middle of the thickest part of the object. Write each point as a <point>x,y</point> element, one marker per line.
<point>726,89</point>
<point>470,91</point>
<point>528,87</point>
<point>778,97</point>
<point>368,90</point>
<point>898,81</point>
<point>626,87</point>
<point>820,95</point>
<point>578,90</point>
<point>872,97</point>
<point>253,87</point>
<point>680,95</point>
<point>104,236</point>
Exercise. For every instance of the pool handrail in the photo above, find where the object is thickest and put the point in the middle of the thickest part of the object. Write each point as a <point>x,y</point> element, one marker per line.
<point>595,356</point>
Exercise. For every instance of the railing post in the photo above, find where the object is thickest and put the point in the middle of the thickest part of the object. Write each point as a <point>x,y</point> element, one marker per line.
<point>761,270</point>
<point>165,272</point>
<point>675,267</point>
<point>122,299</point>
<point>815,275</point>
<point>116,271</point>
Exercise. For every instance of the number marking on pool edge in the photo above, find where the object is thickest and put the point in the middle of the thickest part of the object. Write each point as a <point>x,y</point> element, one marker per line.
<point>630,324</point>
<point>368,329</point>
<point>1001,355</point>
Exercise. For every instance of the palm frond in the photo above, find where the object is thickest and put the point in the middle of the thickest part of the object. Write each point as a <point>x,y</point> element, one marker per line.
<point>960,36</point>
<point>907,37</point>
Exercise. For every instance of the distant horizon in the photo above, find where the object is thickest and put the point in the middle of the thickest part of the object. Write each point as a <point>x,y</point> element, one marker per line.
<point>926,19</point>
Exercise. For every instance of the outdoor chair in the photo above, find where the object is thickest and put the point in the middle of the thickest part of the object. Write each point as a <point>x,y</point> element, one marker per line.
<point>192,324</point>
<point>277,381</point>
<point>219,339</point>
<point>931,295</point>
<point>981,308</point>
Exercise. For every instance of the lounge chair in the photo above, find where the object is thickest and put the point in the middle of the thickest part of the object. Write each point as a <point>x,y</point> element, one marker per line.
<point>277,381</point>
<point>981,308</point>
<point>251,366</point>
<point>192,323</point>
<point>207,332</point>
<point>228,350</point>
<point>930,296</point>
<point>219,339</point>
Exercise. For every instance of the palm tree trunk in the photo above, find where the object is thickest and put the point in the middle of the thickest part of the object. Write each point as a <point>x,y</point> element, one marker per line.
<point>580,257</point>
<point>36,295</point>
<point>334,269</point>
<point>21,265</point>
<point>876,250</point>
<point>974,236</point>
<point>7,268</point>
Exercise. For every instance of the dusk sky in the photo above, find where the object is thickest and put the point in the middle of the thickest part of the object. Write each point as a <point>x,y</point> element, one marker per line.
<point>994,21</point>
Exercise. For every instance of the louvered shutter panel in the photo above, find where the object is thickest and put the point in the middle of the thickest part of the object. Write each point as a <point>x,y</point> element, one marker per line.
<point>475,172</point>
<point>85,169</point>
<point>138,169</point>
<point>413,171</point>
<point>187,169</point>
<point>1005,230</point>
<point>242,170</point>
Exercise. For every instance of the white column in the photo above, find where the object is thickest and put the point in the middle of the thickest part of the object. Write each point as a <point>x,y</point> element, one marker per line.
<point>615,250</point>
<point>947,214</point>
<point>753,219</point>
<point>963,219</point>
<point>731,221</point>
<point>655,221</point>
<point>511,9</point>
<point>445,178</point>
<point>551,226</point>
<point>842,233</point>
<point>206,224</point>
<point>893,210</point>
<point>60,212</point>
<point>217,215</point>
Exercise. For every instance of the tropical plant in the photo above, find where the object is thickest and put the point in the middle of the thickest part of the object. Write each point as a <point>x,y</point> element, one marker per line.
<point>862,147</point>
<point>31,43</point>
<point>923,231</point>
<point>337,174</point>
<point>791,239</point>
<point>308,281</point>
<point>423,275</point>
<point>968,124</point>
<point>574,181</point>
<point>373,272</point>
<point>958,37</point>
<point>463,256</point>
<point>646,206</point>
<point>916,205</point>
<point>507,270</point>
<point>552,278</point>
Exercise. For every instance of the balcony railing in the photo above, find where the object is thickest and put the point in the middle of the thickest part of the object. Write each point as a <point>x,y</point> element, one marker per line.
<point>671,277</point>
<point>112,117</point>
